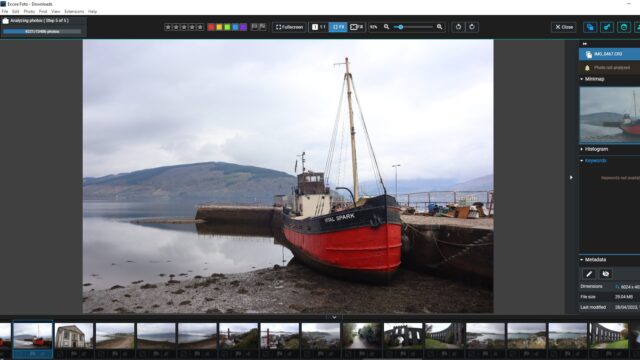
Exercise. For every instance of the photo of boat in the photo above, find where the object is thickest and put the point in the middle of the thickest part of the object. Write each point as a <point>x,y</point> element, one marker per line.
<point>609,114</point>
<point>360,240</point>
<point>274,183</point>
<point>32,335</point>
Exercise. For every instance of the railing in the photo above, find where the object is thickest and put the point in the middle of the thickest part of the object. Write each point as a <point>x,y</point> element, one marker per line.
<point>421,200</point>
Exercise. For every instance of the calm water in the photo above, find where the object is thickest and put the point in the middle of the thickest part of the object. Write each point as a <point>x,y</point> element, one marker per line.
<point>485,337</point>
<point>520,335</point>
<point>117,252</point>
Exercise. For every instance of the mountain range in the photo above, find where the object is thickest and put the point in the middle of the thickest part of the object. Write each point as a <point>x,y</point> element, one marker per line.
<point>226,182</point>
<point>601,117</point>
<point>199,182</point>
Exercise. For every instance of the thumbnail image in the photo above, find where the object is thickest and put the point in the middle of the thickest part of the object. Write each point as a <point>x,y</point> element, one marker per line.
<point>74,336</point>
<point>5,336</point>
<point>634,335</point>
<point>527,335</point>
<point>609,114</point>
<point>243,336</point>
<point>361,336</point>
<point>485,335</point>
<point>278,336</point>
<point>609,335</point>
<point>444,335</point>
<point>197,336</point>
<point>156,336</point>
<point>115,336</point>
<point>567,336</point>
<point>186,153</point>
<point>32,335</point>
<point>320,336</point>
<point>403,336</point>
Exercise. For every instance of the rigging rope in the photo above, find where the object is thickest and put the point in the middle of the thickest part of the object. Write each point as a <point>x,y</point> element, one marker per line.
<point>376,168</point>
<point>327,167</point>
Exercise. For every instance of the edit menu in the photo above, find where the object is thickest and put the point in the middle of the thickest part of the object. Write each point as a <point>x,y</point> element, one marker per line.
<point>608,176</point>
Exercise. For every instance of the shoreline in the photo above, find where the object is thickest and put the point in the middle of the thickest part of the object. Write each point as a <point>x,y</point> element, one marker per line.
<point>292,289</point>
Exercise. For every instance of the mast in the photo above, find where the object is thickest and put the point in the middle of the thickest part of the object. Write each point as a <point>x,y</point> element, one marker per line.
<point>354,162</point>
<point>635,108</point>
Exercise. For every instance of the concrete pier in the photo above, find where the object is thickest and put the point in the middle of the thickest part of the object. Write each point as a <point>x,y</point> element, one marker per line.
<point>249,215</point>
<point>455,248</point>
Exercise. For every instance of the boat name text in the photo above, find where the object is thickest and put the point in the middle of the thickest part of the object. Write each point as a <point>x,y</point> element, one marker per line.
<point>340,217</point>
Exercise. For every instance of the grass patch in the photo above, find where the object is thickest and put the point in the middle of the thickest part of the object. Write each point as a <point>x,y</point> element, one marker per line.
<point>434,344</point>
<point>620,344</point>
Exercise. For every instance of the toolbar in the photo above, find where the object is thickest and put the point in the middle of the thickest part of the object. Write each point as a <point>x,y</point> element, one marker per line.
<point>487,27</point>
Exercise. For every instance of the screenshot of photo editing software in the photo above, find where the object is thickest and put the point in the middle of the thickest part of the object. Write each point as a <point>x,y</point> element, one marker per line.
<point>191,185</point>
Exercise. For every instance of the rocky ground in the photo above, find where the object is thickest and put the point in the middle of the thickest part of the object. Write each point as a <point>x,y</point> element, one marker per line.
<point>291,289</point>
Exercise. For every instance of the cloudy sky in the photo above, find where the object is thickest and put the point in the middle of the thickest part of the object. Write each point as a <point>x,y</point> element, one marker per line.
<point>613,326</point>
<point>5,330</point>
<point>428,104</point>
<point>333,328</point>
<point>568,327</point>
<point>608,99</point>
<point>155,328</point>
<point>103,329</point>
<point>279,327</point>
<point>197,328</point>
<point>528,328</point>
<point>435,327</point>
<point>45,329</point>
<point>237,327</point>
<point>86,328</point>
<point>494,328</point>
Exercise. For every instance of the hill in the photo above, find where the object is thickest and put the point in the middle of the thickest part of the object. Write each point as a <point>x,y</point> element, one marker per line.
<point>200,182</point>
<point>599,118</point>
<point>482,183</point>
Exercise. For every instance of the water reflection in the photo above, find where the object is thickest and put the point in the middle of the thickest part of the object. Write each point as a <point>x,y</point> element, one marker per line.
<point>117,252</point>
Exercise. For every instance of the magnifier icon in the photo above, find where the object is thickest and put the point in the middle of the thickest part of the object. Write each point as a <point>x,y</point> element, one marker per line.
<point>439,26</point>
<point>386,26</point>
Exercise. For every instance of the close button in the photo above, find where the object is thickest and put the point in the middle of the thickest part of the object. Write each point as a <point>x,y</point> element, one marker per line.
<point>563,27</point>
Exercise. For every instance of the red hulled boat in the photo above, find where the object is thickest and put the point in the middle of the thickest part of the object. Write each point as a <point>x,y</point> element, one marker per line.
<point>360,240</point>
<point>631,129</point>
<point>628,126</point>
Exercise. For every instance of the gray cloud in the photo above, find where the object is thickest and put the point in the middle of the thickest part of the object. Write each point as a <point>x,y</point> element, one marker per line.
<point>529,328</point>
<point>280,327</point>
<point>237,327</point>
<point>197,328</point>
<point>496,328</point>
<point>5,330</point>
<point>326,327</point>
<point>155,328</point>
<point>607,99</point>
<point>568,327</point>
<point>428,104</point>
<point>103,329</point>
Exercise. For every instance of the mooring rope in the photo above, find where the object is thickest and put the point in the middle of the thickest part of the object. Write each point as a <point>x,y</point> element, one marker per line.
<point>482,241</point>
